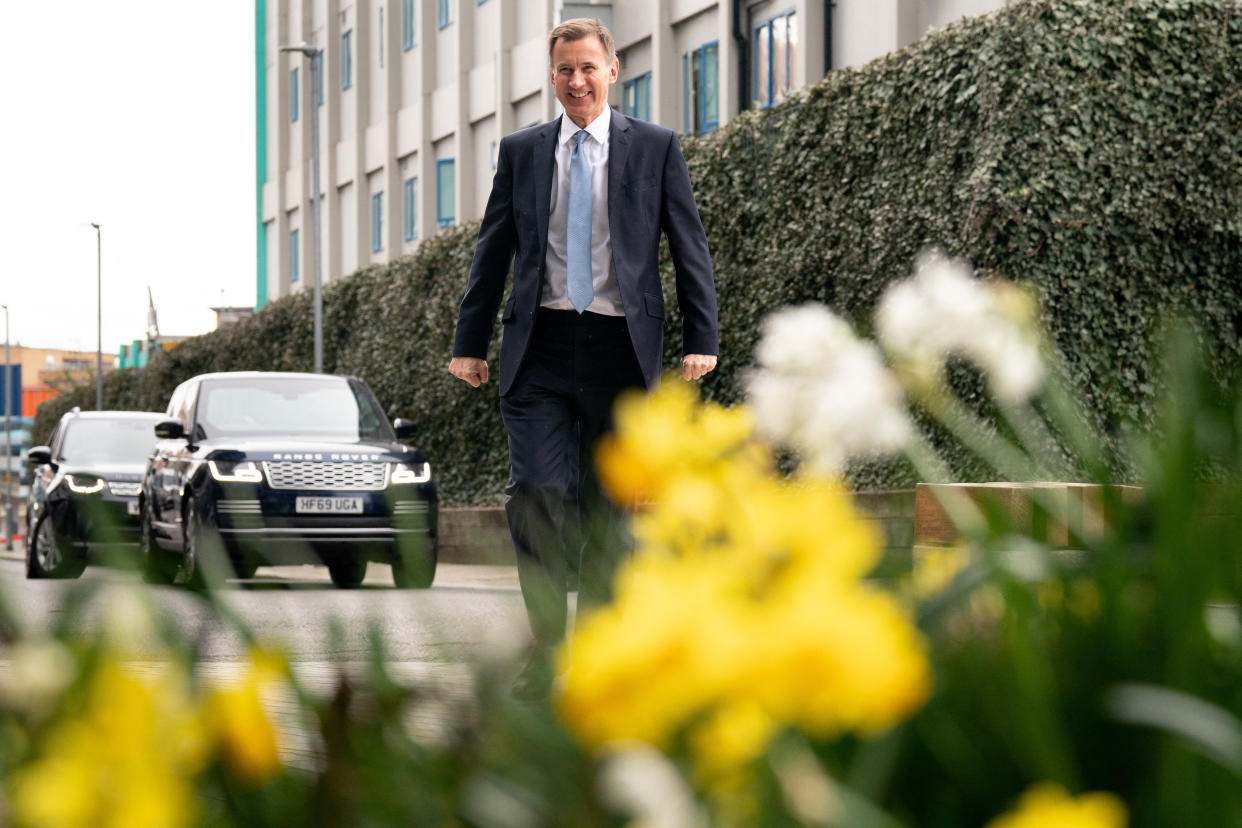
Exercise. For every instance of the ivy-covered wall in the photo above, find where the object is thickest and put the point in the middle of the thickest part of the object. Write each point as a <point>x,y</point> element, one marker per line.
<point>1091,149</point>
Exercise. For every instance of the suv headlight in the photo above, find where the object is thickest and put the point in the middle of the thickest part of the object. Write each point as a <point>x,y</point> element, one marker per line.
<point>232,471</point>
<point>84,483</point>
<point>411,473</point>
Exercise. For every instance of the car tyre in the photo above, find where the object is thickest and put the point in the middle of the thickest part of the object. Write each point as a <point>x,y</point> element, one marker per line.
<point>47,557</point>
<point>415,566</point>
<point>349,573</point>
<point>244,566</point>
<point>198,540</point>
<point>156,566</point>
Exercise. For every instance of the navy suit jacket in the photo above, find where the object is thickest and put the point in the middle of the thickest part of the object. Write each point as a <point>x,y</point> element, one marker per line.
<point>648,192</point>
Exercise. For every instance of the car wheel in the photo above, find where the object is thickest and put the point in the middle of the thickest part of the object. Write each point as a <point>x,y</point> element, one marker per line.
<point>46,557</point>
<point>156,567</point>
<point>348,573</point>
<point>415,566</point>
<point>244,567</point>
<point>196,540</point>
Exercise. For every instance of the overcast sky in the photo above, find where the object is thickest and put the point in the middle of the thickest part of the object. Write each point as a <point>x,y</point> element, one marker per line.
<point>137,115</point>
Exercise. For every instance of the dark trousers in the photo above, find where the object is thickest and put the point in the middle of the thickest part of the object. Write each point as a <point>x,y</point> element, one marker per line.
<point>559,406</point>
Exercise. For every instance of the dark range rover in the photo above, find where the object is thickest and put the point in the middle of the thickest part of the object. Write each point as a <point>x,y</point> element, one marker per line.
<point>283,468</point>
<point>83,501</point>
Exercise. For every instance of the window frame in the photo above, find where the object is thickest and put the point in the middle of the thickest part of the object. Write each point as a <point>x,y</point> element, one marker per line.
<point>441,219</point>
<point>347,60</point>
<point>444,14</point>
<point>295,255</point>
<point>640,109</point>
<point>409,208</point>
<point>408,30</point>
<point>694,81</point>
<point>377,222</point>
<point>768,99</point>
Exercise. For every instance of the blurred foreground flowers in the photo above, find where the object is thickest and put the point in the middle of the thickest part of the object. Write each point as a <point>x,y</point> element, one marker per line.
<point>744,610</point>
<point>1066,652</point>
<point>114,741</point>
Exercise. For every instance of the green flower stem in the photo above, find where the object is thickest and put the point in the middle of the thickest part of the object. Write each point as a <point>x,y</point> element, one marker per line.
<point>963,511</point>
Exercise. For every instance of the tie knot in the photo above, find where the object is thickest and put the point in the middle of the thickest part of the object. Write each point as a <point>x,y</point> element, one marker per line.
<point>580,136</point>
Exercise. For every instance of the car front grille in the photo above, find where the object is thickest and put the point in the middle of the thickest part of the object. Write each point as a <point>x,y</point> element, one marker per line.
<point>124,489</point>
<point>356,477</point>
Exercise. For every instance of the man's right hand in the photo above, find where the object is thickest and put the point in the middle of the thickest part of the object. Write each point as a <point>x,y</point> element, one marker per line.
<point>469,369</point>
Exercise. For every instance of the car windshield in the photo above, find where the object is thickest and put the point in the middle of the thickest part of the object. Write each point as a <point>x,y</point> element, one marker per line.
<point>326,408</point>
<point>108,441</point>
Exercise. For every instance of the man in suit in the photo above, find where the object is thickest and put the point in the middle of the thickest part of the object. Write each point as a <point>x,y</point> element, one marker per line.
<point>577,206</point>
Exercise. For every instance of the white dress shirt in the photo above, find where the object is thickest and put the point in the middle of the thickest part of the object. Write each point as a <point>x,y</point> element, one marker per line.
<point>607,299</point>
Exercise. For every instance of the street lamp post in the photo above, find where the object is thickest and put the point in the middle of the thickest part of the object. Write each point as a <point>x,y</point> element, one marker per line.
<point>8,440</point>
<point>99,317</point>
<point>315,55</point>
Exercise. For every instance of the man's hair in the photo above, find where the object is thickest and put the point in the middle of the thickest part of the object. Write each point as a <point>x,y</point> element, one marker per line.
<point>579,28</point>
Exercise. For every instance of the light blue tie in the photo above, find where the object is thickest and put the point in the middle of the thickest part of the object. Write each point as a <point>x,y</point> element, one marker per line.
<point>578,229</point>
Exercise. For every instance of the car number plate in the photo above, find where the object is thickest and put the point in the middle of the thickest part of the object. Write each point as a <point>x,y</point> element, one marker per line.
<point>330,505</point>
<point>131,508</point>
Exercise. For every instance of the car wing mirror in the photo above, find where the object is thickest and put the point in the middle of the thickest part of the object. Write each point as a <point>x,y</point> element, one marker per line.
<point>404,428</point>
<point>169,430</point>
<point>39,455</point>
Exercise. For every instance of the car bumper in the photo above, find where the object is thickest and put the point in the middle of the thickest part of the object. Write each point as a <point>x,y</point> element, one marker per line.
<point>94,523</point>
<point>266,525</point>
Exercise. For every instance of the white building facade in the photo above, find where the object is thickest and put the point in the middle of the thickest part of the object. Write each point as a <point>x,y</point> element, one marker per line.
<point>414,96</point>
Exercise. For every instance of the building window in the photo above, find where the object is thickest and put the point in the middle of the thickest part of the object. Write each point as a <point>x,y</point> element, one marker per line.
<point>775,55</point>
<point>409,207</point>
<point>444,13</point>
<point>381,37</point>
<point>294,251</point>
<point>294,94</point>
<point>700,88</point>
<point>446,199</point>
<point>347,59</point>
<point>636,97</point>
<point>377,222</point>
<point>407,25</point>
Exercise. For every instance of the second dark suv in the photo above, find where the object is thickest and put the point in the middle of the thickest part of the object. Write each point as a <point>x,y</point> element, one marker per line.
<point>83,499</point>
<point>284,468</point>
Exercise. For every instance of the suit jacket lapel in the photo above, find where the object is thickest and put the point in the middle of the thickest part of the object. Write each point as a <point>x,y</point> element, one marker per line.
<point>618,153</point>
<point>543,159</point>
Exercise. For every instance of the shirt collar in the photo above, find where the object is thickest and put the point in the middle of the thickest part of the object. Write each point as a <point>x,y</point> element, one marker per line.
<point>597,129</point>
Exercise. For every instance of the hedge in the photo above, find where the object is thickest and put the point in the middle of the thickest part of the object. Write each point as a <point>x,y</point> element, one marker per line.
<point>1089,149</point>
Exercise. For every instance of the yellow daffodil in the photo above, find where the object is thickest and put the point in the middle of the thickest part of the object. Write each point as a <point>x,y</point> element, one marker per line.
<point>661,435</point>
<point>743,610</point>
<point>1048,806</point>
<point>241,727</point>
<point>127,758</point>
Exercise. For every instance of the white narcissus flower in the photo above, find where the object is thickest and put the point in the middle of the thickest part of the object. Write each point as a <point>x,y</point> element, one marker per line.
<point>823,392</point>
<point>38,672</point>
<point>944,310</point>
<point>126,620</point>
<point>642,782</point>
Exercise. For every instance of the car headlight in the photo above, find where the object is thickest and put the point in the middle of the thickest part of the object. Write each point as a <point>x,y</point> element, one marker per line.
<point>228,471</point>
<point>411,473</point>
<point>84,483</point>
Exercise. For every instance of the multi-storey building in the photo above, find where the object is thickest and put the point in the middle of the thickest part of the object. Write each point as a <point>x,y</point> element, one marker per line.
<point>413,97</point>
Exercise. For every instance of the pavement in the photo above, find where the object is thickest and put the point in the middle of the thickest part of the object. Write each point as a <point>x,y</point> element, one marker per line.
<point>446,689</point>
<point>448,574</point>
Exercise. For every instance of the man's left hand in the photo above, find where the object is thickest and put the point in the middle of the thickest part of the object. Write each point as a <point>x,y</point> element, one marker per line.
<point>694,366</point>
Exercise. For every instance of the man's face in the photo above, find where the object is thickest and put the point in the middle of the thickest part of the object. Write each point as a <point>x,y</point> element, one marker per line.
<point>582,74</point>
